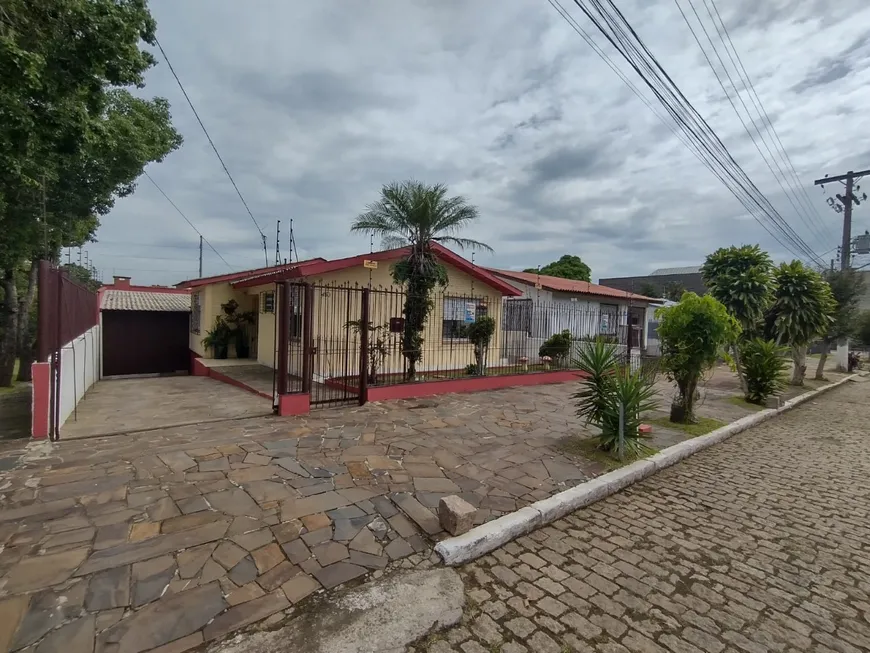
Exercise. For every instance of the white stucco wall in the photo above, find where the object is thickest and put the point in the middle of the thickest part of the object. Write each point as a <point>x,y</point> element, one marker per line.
<point>80,368</point>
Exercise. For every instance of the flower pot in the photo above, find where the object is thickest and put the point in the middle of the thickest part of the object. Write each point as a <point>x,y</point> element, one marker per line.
<point>221,351</point>
<point>678,413</point>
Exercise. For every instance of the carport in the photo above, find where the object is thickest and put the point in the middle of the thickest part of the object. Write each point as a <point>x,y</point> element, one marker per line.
<point>144,330</point>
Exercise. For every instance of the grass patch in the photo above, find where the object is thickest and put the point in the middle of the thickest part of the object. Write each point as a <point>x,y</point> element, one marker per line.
<point>4,390</point>
<point>740,401</point>
<point>704,425</point>
<point>588,448</point>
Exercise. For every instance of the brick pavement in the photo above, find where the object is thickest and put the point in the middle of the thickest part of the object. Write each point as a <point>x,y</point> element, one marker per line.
<point>759,544</point>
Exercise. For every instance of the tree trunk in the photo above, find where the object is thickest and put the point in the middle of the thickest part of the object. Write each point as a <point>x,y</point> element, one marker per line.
<point>25,339</point>
<point>9,316</point>
<point>738,364</point>
<point>820,370</point>
<point>799,357</point>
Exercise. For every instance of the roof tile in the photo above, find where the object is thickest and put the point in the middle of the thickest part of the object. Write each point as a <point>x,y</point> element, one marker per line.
<point>131,300</point>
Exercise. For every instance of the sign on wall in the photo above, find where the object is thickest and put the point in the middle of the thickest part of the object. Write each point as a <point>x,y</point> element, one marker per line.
<point>371,265</point>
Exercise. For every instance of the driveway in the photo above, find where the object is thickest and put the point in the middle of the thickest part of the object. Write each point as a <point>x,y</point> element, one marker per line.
<point>758,544</point>
<point>129,405</point>
<point>105,541</point>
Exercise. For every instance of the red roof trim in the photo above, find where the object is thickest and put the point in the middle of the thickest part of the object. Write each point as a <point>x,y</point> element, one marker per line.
<point>318,267</point>
<point>569,285</point>
<point>244,274</point>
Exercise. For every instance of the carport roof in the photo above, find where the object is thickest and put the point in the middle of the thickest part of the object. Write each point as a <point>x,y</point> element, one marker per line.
<point>127,300</point>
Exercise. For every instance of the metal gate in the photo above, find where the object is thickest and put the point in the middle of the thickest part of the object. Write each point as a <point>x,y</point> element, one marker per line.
<point>324,330</point>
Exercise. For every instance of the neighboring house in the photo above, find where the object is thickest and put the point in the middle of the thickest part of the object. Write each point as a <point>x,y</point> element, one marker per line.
<point>144,329</point>
<point>471,291</point>
<point>653,344</point>
<point>687,277</point>
<point>549,305</point>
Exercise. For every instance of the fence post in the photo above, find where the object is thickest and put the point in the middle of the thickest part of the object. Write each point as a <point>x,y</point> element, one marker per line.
<point>307,337</point>
<point>55,427</point>
<point>42,313</point>
<point>364,348</point>
<point>284,309</point>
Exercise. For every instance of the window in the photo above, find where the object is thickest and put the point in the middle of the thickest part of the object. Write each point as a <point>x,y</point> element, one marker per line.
<point>608,320</point>
<point>458,313</point>
<point>195,312</point>
<point>518,315</point>
<point>296,313</point>
<point>268,302</point>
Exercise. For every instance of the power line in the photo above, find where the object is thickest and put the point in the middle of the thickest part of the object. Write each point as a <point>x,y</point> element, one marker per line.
<point>688,118</point>
<point>214,147</point>
<point>799,208</point>
<point>621,35</point>
<point>747,82</point>
<point>192,226</point>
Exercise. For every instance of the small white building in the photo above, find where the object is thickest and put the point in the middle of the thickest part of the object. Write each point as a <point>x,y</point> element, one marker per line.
<point>549,305</point>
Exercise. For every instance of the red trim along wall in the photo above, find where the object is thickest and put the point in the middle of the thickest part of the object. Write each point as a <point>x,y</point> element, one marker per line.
<point>295,404</point>
<point>198,369</point>
<point>41,398</point>
<point>474,384</point>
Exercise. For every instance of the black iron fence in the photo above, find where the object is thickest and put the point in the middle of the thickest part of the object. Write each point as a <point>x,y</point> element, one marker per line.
<point>339,340</point>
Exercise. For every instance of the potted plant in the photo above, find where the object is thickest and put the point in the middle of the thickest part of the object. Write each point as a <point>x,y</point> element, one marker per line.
<point>237,322</point>
<point>218,338</point>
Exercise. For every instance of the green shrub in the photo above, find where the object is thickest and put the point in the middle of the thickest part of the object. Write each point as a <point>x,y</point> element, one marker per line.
<point>557,346</point>
<point>479,334</point>
<point>764,365</point>
<point>693,335</point>
<point>613,398</point>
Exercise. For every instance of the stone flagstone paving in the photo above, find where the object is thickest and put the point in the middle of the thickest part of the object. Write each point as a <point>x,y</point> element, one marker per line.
<point>171,538</point>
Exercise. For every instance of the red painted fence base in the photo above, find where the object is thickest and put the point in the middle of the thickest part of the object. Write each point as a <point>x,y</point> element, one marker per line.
<point>41,400</point>
<point>295,404</point>
<point>471,384</point>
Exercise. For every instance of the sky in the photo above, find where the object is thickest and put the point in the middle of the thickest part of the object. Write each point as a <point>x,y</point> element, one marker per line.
<point>315,105</point>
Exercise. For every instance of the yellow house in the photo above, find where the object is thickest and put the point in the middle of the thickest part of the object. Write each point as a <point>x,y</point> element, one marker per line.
<point>336,290</point>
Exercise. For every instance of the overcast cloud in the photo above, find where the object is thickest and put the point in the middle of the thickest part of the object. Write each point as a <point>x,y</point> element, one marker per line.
<point>315,105</point>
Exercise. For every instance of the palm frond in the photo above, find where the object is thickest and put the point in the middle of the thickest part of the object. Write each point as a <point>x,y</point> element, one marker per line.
<point>464,243</point>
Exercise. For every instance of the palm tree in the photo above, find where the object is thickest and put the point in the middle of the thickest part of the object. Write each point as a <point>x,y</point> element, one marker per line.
<point>415,215</point>
<point>802,311</point>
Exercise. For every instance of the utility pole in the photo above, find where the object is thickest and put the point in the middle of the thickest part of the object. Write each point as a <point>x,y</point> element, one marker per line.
<point>846,199</point>
<point>200,257</point>
<point>278,243</point>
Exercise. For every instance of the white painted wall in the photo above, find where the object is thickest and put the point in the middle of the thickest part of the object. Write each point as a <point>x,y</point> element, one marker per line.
<point>80,368</point>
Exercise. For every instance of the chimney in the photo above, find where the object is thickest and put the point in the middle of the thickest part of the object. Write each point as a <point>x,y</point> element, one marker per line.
<point>121,283</point>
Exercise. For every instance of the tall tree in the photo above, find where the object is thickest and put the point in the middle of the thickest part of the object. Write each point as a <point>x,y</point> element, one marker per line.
<point>673,291</point>
<point>649,290</point>
<point>567,267</point>
<point>416,215</point>
<point>802,311</point>
<point>742,279</point>
<point>72,139</point>
<point>847,287</point>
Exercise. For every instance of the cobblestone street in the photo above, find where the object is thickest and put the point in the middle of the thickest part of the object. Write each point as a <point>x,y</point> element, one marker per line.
<point>758,544</point>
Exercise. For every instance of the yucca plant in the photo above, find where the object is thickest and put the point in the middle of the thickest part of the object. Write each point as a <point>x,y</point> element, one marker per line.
<point>764,364</point>
<point>612,397</point>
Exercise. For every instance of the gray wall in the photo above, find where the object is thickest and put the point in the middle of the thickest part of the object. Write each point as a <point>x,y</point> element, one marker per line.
<point>691,282</point>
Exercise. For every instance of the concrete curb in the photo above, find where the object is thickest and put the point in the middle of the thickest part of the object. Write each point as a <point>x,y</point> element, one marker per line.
<point>491,535</point>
